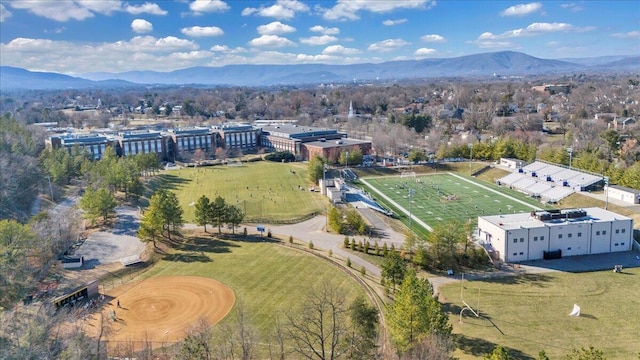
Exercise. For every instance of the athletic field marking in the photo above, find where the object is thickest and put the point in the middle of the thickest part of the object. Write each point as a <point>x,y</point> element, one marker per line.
<point>496,192</point>
<point>418,221</point>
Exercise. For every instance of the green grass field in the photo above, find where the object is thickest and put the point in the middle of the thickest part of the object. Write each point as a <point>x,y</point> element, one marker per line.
<point>268,279</point>
<point>443,197</point>
<point>265,191</point>
<point>532,312</point>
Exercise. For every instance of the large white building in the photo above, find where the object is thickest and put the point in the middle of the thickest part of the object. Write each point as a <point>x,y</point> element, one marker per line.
<point>549,233</point>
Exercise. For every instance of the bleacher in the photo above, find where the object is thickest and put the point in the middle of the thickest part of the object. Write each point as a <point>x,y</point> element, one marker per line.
<point>556,194</point>
<point>550,182</point>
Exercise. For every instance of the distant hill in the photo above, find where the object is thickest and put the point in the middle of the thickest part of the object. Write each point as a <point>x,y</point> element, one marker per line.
<point>13,78</point>
<point>478,65</point>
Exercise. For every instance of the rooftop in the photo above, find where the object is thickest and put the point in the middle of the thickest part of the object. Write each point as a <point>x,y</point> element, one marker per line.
<point>336,143</point>
<point>296,131</point>
<point>527,221</point>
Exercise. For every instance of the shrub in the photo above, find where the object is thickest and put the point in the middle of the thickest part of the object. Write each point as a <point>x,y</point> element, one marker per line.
<point>346,242</point>
<point>363,271</point>
<point>348,262</point>
<point>311,245</point>
<point>279,156</point>
<point>290,239</point>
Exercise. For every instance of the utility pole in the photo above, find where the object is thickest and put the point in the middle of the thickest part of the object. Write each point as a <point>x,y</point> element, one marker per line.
<point>50,188</point>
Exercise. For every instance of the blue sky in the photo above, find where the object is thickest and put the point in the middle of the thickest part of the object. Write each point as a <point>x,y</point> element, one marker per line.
<point>80,36</point>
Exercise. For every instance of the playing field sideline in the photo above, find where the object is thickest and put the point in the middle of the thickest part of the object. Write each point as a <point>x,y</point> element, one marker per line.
<point>443,197</point>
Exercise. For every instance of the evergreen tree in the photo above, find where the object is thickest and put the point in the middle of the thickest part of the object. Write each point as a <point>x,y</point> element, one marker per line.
<point>98,203</point>
<point>415,314</point>
<point>165,205</point>
<point>233,217</point>
<point>499,353</point>
<point>218,212</point>
<point>394,268</point>
<point>203,211</point>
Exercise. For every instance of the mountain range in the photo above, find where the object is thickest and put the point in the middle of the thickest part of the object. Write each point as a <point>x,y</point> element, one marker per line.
<point>505,63</point>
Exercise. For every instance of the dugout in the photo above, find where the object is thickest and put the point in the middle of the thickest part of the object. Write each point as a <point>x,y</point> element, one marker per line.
<point>81,293</point>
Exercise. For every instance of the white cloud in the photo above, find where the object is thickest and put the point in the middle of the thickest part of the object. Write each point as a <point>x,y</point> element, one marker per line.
<point>387,45</point>
<point>423,52</point>
<point>225,49</point>
<point>491,44</point>
<point>282,9</point>
<point>202,31</point>
<point>433,38</point>
<point>521,9</point>
<point>534,29</point>
<point>208,6</point>
<point>394,22</point>
<point>573,7</point>
<point>140,52</point>
<point>191,55</point>
<point>319,40</point>
<point>349,9</point>
<point>627,35</point>
<point>4,13</point>
<point>325,30</point>
<point>271,41</point>
<point>339,50</point>
<point>275,28</point>
<point>141,26</point>
<point>65,10</point>
<point>148,8</point>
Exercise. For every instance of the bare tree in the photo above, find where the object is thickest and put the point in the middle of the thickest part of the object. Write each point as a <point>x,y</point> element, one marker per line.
<point>317,329</point>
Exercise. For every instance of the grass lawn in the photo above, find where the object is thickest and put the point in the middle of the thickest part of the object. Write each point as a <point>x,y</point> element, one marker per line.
<point>532,312</point>
<point>268,279</point>
<point>443,197</point>
<point>265,191</point>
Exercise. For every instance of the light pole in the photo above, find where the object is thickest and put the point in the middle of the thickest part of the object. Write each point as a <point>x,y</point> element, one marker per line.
<point>570,151</point>
<point>606,192</point>
<point>346,159</point>
<point>470,155</point>
<point>410,215</point>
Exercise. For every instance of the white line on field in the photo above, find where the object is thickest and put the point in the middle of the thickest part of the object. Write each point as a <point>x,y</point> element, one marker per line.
<point>418,221</point>
<point>496,192</point>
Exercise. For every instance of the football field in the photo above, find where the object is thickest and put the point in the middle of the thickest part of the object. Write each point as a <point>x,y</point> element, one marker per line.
<point>443,197</point>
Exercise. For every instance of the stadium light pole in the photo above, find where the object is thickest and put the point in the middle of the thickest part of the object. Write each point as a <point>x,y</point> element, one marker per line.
<point>570,151</point>
<point>470,155</point>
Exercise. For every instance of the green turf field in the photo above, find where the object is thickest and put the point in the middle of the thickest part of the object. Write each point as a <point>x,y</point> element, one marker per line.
<point>443,197</point>
<point>268,279</point>
<point>265,191</point>
<point>530,313</point>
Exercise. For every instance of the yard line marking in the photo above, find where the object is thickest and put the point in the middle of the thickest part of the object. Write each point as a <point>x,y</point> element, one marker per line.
<point>418,221</point>
<point>496,192</point>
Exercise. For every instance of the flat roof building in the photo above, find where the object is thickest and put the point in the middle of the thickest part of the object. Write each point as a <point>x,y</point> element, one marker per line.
<point>569,232</point>
<point>622,193</point>
<point>94,144</point>
<point>305,142</point>
<point>141,142</point>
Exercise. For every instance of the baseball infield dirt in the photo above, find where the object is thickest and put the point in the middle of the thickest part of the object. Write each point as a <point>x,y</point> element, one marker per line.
<point>160,309</point>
